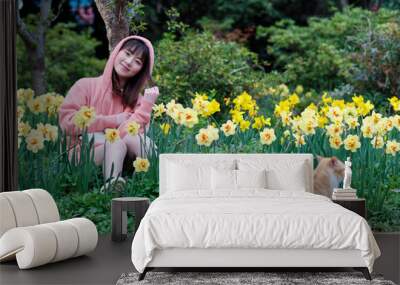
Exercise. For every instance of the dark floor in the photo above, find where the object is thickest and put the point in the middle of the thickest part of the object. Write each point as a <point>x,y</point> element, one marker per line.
<point>110,259</point>
<point>102,266</point>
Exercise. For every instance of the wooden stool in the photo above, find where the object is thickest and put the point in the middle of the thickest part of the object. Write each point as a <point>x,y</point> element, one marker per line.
<point>119,209</point>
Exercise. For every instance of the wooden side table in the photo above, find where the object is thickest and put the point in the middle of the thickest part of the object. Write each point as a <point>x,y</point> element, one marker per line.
<point>355,205</point>
<point>119,219</point>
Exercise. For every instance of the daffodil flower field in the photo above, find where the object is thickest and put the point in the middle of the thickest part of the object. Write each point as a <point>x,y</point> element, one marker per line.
<point>329,127</point>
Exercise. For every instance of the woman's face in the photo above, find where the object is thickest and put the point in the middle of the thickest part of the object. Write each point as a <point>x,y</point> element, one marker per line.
<point>127,64</point>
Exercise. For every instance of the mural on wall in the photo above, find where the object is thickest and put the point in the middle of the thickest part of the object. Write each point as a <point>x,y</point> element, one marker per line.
<point>96,127</point>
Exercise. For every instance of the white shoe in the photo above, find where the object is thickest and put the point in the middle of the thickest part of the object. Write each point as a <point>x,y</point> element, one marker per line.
<point>115,184</point>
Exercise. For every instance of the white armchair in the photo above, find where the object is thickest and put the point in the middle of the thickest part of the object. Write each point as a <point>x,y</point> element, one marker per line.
<point>32,233</point>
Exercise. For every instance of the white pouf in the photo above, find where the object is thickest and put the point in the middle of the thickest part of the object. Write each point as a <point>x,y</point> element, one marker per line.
<point>31,233</point>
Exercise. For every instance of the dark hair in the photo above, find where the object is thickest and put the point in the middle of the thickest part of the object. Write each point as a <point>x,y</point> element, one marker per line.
<point>136,84</point>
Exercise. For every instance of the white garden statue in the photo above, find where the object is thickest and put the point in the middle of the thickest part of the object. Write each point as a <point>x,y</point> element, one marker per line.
<point>347,175</point>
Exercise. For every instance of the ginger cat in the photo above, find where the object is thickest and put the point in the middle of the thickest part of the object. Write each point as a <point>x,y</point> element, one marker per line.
<point>328,175</point>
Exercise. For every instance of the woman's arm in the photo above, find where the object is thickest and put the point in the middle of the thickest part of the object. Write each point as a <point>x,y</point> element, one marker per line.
<point>76,98</point>
<point>143,110</point>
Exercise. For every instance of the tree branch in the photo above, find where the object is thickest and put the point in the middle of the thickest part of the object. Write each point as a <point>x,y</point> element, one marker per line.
<point>28,37</point>
<point>59,9</point>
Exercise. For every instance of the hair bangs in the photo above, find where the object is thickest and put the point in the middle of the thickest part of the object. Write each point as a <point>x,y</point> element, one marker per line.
<point>138,48</point>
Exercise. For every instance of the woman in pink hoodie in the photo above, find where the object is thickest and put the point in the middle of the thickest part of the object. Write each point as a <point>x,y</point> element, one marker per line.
<point>116,98</point>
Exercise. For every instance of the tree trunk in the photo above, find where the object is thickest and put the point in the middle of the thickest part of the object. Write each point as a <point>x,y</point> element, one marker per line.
<point>115,19</point>
<point>38,71</point>
<point>344,4</point>
<point>35,46</point>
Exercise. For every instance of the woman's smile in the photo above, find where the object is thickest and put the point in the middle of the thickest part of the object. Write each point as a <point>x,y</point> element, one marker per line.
<point>127,64</point>
<point>125,67</point>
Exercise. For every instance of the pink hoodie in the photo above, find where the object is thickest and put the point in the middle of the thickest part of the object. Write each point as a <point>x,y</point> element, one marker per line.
<point>97,92</point>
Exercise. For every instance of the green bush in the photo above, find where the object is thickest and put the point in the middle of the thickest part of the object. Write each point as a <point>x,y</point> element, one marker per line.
<point>94,206</point>
<point>376,58</point>
<point>69,56</point>
<point>316,55</point>
<point>198,62</point>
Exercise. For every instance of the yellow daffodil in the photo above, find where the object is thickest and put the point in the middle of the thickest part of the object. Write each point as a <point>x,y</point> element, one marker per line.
<point>335,114</point>
<point>237,116</point>
<point>395,102</point>
<point>326,99</point>
<point>49,132</point>
<point>52,133</point>
<point>165,127</point>
<point>244,101</point>
<point>308,125</point>
<point>132,128</point>
<point>299,139</point>
<point>352,122</point>
<point>36,105</point>
<point>282,107</point>
<point>48,99</point>
<point>20,112</point>
<point>334,130</point>
<point>363,108</point>
<point>24,95</point>
<point>84,117</point>
<point>172,107</point>
<point>267,136</point>
<point>23,128</point>
<point>34,141</point>
<point>141,164</point>
<point>350,111</point>
<point>158,110</point>
<point>228,128</point>
<point>260,122</point>
<point>387,124</point>
<point>335,142</point>
<point>392,147</point>
<point>244,125</point>
<point>338,103</point>
<point>352,143</point>
<point>396,121</point>
<point>213,132</point>
<point>286,118</point>
<point>203,138</point>
<point>367,130</point>
<point>42,128</point>
<point>211,108</point>
<point>378,142</point>
<point>112,135</point>
<point>293,100</point>
<point>322,121</point>
<point>189,117</point>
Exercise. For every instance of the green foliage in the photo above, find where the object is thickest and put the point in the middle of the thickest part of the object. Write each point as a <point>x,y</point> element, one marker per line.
<point>385,216</point>
<point>173,24</point>
<point>135,14</point>
<point>376,58</point>
<point>315,55</point>
<point>94,206</point>
<point>243,13</point>
<point>198,62</point>
<point>69,56</point>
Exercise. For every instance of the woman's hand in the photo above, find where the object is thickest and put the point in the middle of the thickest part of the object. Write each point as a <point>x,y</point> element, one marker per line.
<point>122,117</point>
<point>151,94</point>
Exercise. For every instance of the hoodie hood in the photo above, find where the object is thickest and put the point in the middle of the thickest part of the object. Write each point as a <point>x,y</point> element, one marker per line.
<point>106,78</point>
